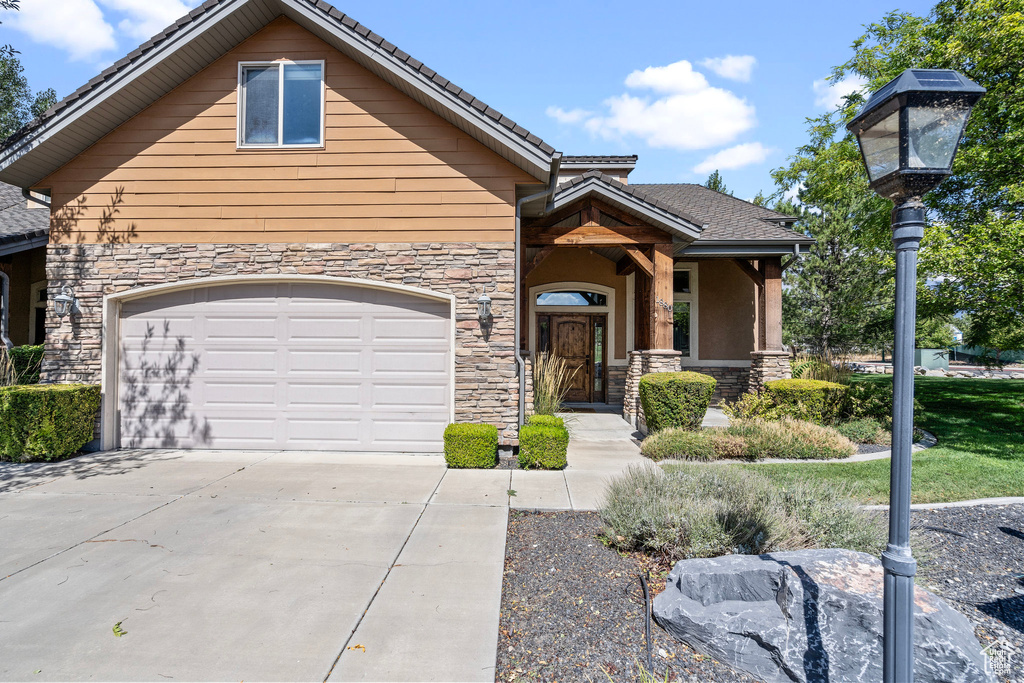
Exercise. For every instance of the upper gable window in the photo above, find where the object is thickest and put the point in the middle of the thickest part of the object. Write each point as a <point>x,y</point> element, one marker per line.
<point>281,104</point>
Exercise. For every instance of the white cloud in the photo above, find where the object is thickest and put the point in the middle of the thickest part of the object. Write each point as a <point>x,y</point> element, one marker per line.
<point>734,157</point>
<point>733,67</point>
<point>678,77</point>
<point>685,113</point>
<point>830,95</point>
<point>571,116</point>
<point>75,26</point>
<point>145,18</point>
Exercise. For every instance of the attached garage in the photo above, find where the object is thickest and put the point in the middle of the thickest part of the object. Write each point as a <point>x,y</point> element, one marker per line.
<point>260,364</point>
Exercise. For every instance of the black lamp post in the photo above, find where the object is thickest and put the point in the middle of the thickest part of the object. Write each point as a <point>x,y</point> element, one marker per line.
<point>908,132</point>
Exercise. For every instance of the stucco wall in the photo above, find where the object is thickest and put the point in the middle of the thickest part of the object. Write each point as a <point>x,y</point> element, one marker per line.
<point>725,311</point>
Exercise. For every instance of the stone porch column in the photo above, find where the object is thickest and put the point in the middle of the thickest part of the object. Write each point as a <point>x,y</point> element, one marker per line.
<point>770,361</point>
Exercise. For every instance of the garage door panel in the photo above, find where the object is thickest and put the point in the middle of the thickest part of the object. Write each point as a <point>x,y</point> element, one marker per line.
<point>325,361</point>
<point>348,328</point>
<point>323,396</point>
<point>235,360</point>
<point>286,366</point>
<point>241,329</point>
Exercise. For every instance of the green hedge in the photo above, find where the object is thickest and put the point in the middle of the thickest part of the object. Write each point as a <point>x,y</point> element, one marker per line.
<point>471,445</point>
<point>46,421</point>
<point>808,399</point>
<point>550,420</point>
<point>675,399</point>
<point>543,447</point>
<point>27,362</point>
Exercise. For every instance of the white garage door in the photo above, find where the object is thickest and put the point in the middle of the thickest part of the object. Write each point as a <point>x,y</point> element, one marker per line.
<point>285,366</point>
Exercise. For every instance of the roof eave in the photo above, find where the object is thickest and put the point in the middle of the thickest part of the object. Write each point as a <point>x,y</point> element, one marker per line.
<point>21,243</point>
<point>675,225</point>
<point>746,248</point>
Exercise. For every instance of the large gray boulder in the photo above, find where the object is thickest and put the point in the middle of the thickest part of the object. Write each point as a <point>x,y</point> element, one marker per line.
<point>809,615</point>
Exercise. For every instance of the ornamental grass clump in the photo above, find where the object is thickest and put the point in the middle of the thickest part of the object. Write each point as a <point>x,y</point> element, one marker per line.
<point>551,378</point>
<point>693,511</point>
<point>675,399</point>
<point>750,440</point>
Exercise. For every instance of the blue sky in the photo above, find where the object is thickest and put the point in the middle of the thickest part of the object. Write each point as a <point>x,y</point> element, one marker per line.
<point>688,86</point>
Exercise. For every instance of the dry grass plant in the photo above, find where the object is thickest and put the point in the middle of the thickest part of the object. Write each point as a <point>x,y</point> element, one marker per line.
<point>551,378</point>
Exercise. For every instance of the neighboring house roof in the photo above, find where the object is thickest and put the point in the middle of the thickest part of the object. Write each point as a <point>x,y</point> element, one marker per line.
<point>629,198</point>
<point>21,228</point>
<point>207,32</point>
<point>728,222</point>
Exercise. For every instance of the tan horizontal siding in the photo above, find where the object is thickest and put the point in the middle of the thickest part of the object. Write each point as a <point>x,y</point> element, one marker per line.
<point>389,171</point>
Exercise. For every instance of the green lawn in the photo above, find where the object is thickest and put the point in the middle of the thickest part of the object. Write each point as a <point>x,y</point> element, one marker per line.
<point>980,427</point>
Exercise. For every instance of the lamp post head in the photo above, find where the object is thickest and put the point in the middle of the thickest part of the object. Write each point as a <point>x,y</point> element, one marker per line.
<point>910,129</point>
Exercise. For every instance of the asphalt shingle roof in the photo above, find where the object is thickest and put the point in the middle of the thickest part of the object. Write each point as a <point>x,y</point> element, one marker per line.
<point>341,20</point>
<point>636,191</point>
<point>724,217</point>
<point>17,221</point>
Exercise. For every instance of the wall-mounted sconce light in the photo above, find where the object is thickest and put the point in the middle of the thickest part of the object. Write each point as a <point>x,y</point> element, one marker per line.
<point>483,307</point>
<point>65,303</point>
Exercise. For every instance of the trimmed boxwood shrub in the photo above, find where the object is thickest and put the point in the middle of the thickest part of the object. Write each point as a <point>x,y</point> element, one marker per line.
<point>675,399</point>
<point>543,447</point>
<point>46,421</point>
<point>27,361</point>
<point>471,445</point>
<point>550,420</point>
<point>808,399</point>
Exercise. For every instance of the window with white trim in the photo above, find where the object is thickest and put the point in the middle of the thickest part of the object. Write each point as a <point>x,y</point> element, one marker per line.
<point>684,309</point>
<point>281,104</point>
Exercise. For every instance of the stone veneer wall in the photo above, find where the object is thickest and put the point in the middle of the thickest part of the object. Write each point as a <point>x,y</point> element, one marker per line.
<point>732,381</point>
<point>642,363</point>
<point>615,391</point>
<point>486,380</point>
<point>766,366</point>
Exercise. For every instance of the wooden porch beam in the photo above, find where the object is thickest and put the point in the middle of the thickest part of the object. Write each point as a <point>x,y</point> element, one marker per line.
<point>625,266</point>
<point>594,236</point>
<point>537,259</point>
<point>750,271</point>
<point>640,259</point>
<point>773,303</point>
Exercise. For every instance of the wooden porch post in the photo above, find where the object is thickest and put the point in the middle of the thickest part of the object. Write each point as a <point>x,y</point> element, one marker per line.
<point>661,297</point>
<point>772,304</point>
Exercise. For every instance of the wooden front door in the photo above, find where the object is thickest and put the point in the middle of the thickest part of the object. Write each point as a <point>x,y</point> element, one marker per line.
<point>570,341</point>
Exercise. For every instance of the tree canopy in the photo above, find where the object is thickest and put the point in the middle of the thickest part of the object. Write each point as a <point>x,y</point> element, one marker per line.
<point>717,183</point>
<point>971,254</point>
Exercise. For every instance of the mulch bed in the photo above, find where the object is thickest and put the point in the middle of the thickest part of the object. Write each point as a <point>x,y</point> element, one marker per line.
<point>572,609</point>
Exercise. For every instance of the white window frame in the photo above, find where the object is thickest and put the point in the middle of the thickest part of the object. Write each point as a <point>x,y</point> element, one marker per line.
<point>280,64</point>
<point>690,297</point>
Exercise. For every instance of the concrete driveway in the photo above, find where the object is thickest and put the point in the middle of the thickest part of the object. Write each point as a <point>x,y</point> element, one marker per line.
<point>233,566</point>
<point>257,566</point>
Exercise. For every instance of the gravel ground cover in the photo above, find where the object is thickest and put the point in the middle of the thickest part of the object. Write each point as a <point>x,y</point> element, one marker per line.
<point>976,563</point>
<point>572,609</point>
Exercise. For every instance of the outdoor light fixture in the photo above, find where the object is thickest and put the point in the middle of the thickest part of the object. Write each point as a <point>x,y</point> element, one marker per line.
<point>65,303</point>
<point>483,306</point>
<point>908,133</point>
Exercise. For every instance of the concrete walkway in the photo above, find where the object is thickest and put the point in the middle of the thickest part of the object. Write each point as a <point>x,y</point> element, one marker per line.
<point>270,566</point>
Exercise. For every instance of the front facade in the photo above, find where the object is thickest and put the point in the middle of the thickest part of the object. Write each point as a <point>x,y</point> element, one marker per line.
<point>278,228</point>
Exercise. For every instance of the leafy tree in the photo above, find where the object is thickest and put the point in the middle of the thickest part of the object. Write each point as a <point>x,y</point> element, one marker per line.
<point>7,50</point>
<point>976,231</point>
<point>716,183</point>
<point>17,104</point>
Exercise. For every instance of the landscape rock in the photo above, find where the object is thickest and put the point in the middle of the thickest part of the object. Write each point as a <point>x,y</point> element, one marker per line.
<point>809,615</point>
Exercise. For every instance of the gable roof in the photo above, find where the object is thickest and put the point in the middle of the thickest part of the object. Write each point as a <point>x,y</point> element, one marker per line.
<point>728,221</point>
<point>192,42</point>
<point>21,228</point>
<point>630,198</point>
